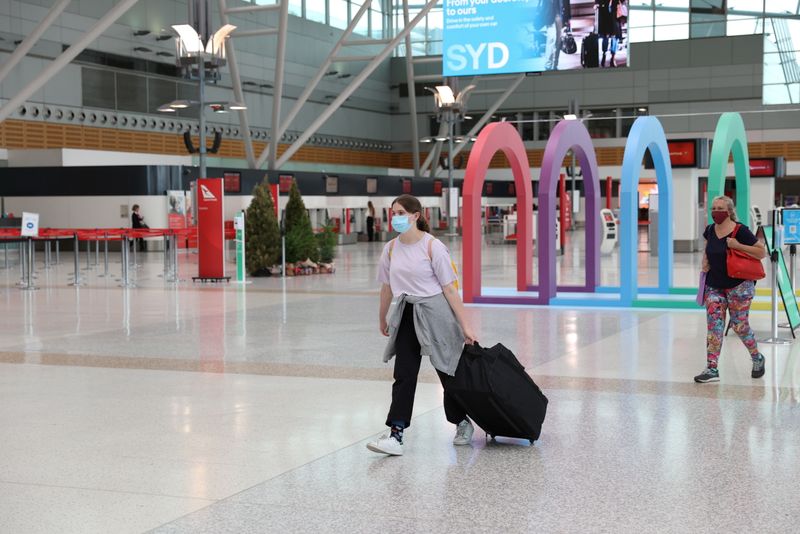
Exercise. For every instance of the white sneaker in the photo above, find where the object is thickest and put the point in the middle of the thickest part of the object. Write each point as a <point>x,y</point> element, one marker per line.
<point>464,432</point>
<point>386,445</point>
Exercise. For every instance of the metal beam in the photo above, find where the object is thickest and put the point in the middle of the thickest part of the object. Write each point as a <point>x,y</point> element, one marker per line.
<point>251,9</point>
<point>256,33</point>
<point>427,59</point>
<point>238,92</point>
<point>436,150</point>
<point>353,58</point>
<point>30,40</point>
<point>429,78</point>
<point>309,89</point>
<point>64,59</point>
<point>486,116</point>
<point>368,42</point>
<point>412,95</point>
<point>277,95</point>
<point>355,84</point>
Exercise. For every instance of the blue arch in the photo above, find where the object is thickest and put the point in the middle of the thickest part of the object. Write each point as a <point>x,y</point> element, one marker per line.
<point>646,134</point>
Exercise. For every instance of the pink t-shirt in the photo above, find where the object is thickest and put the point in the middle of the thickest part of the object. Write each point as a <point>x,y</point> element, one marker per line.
<point>411,271</point>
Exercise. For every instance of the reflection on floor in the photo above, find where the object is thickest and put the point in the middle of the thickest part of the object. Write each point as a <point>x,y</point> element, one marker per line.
<point>245,408</point>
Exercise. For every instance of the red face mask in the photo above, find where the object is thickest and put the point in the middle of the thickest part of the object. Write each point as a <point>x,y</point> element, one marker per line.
<point>719,216</point>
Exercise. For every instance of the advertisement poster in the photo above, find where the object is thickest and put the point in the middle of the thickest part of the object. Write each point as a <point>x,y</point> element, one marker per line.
<point>176,213</point>
<point>512,36</point>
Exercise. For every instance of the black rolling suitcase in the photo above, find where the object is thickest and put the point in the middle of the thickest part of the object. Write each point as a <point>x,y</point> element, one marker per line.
<point>590,49</point>
<point>496,392</point>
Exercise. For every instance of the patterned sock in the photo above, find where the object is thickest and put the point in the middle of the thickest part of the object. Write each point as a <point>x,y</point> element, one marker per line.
<point>397,433</point>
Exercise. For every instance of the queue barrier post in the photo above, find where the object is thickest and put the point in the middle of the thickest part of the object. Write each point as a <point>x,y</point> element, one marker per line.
<point>58,251</point>
<point>76,248</point>
<point>31,263</point>
<point>776,229</point>
<point>105,255</point>
<point>124,252</point>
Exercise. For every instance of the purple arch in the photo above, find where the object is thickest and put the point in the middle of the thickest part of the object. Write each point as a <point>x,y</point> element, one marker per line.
<point>568,134</point>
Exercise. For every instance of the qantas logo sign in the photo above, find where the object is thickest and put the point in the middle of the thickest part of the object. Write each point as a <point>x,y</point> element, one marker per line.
<point>207,194</point>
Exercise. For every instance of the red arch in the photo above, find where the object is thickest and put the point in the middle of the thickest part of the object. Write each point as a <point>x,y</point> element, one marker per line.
<point>496,137</point>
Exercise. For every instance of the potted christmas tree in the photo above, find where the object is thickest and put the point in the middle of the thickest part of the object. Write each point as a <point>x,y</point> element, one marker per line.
<point>262,234</point>
<point>301,245</point>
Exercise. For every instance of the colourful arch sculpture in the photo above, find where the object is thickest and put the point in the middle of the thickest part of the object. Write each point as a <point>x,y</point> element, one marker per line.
<point>730,138</point>
<point>646,134</point>
<point>496,137</point>
<point>567,134</point>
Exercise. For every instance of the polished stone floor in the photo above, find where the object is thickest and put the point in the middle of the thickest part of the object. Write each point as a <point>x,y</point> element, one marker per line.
<point>176,407</point>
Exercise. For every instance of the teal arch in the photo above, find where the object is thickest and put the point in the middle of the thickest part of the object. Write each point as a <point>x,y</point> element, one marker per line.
<point>730,138</point>
<point>646,134</point>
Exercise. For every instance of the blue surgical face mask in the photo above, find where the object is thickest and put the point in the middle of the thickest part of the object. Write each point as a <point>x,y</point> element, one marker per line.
<point>401,223</point>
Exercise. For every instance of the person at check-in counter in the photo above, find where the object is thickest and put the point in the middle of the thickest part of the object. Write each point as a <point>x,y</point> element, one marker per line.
<point>137,221</point>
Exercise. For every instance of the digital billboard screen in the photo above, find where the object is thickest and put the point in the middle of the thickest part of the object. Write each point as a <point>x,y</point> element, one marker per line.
<point>511,36</point>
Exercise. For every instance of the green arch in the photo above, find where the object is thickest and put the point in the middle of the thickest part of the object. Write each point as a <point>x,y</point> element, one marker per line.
<point>730,138</point>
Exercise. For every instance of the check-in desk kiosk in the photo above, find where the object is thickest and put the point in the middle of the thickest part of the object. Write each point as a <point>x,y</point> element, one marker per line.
<point>609,231</point>
<point>757,217</point>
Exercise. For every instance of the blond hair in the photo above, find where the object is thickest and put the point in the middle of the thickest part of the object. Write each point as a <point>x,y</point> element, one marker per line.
<point>729,205</point>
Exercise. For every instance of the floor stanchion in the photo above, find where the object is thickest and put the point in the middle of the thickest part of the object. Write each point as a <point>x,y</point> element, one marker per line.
<point>774,257</point>
<point>76,248</point>
<point>105,255</point>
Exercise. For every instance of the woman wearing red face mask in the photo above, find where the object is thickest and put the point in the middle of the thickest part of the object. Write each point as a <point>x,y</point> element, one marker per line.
<point>725,293</point>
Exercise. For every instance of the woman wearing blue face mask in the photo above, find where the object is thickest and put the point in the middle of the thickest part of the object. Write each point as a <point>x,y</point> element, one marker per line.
<point>429,319</point>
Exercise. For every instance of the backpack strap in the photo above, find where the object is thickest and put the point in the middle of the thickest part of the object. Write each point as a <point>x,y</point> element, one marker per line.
<point>735,229</point>
<point>430,248</point>
<point>391,246</point>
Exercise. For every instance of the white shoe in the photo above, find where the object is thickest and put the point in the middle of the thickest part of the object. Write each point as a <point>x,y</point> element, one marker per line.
<point>386,445</point>
<point>464,432</point>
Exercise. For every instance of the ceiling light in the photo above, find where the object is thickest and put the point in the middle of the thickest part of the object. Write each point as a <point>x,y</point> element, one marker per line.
<point>441,138</point>
<point>163,37</point>
<point>237,106</point>
<point>570,117</point>
<point>446,95</point>
<point>180,104</point>
<point>332,73</point>
<point>140,33</point>
<point>141,49</point>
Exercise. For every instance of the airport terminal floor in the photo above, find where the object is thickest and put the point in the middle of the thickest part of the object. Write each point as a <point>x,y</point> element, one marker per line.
<point>223,408</point>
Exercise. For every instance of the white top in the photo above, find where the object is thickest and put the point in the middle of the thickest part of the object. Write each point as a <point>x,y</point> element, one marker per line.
<point>411,271</point>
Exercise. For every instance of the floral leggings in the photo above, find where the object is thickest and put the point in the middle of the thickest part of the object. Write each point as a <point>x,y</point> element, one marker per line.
<point>737,301</point>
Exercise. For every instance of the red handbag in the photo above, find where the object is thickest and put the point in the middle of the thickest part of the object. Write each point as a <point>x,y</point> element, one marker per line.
<point>742,265</point>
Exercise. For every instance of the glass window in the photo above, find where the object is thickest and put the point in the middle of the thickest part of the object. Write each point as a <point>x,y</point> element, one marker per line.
<point>601,123</point>
<point>376,18</point>
<point>744,25</point>
<point>640,26</point>
<point>783,7</point>
<point>315,10</point>
<point>362,28</point>
<point>745,6</point>
<point>132,93</point>
<point>708,25</point>
<point>160,92</point>
<point>97,87</point>
<point>296,7</point>
<point>671,25</point>
<point>337,16</point>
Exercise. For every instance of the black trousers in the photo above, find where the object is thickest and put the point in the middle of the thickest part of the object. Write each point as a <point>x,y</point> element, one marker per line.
<point>406,369</point>
<point>371,228</point>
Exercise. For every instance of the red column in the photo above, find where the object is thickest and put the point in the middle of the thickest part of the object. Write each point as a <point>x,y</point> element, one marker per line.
<point>609,191</point>
<point>275,191</point>
<point>347,221</point>
<point>210,228</point>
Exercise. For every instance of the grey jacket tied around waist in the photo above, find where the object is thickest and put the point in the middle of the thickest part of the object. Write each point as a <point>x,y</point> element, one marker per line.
<point>439,334</point>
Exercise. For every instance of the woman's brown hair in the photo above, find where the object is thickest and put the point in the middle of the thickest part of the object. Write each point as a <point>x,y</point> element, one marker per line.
<point>412,205</point>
